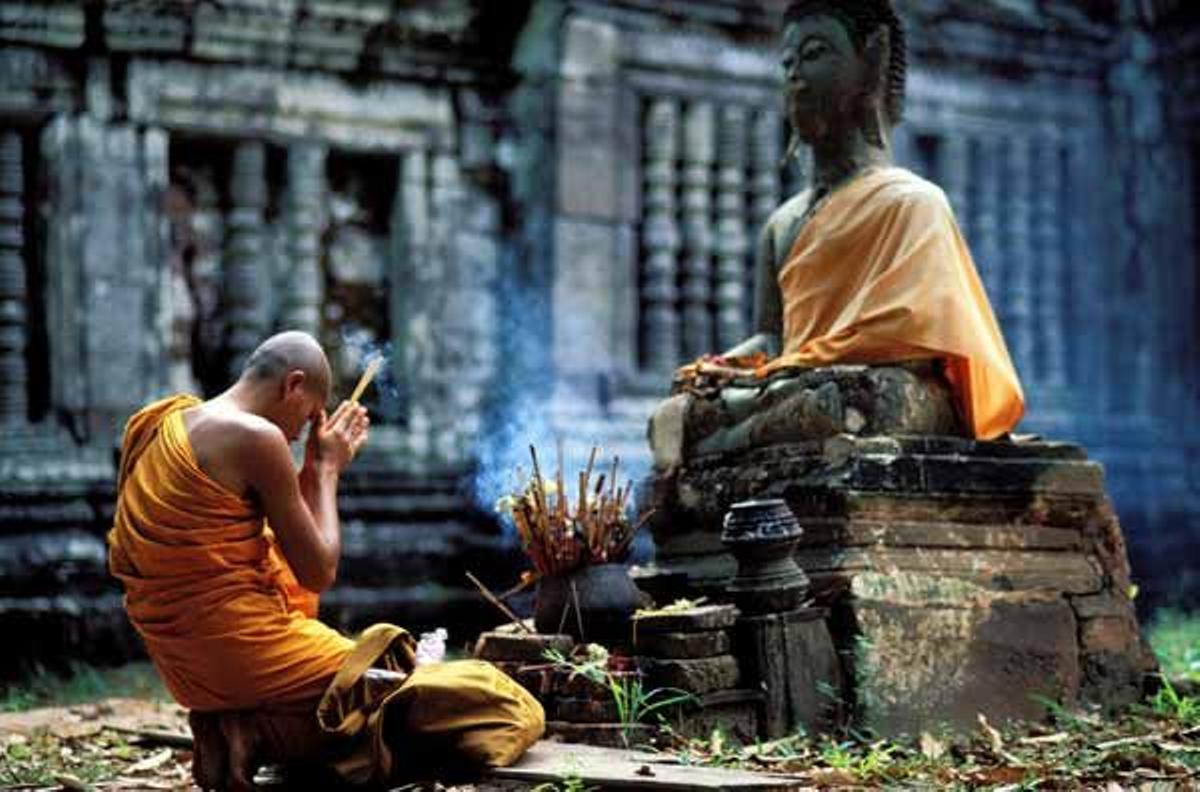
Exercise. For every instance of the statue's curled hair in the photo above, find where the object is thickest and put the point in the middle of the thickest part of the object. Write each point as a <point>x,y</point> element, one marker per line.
<point>862,18</point>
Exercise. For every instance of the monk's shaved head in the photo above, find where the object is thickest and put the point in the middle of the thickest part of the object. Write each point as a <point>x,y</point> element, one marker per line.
<point>286,352</point>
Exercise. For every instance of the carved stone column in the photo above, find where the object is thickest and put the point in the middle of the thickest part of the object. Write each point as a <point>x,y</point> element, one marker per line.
<point>1048,225</point>
<point>955,174</point>
<point>987,224</point>
<point>447,392</point>
<point>1086,364</point>
<point>14,406</point>
<point>208,232</point>
<point>660,238</point>
<point>765,150</point>
<point>1019,243</point>
<point>305,210</point>
<point>412,335</point>
<point>699,133</point>
<point>731,243</point>
<point>902,148</point>
<point>246,277</point>
<point>106,243</point>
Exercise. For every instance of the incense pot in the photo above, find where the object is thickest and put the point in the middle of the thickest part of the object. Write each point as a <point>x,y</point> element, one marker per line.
<point>606,596</point>
<point>762,537</point>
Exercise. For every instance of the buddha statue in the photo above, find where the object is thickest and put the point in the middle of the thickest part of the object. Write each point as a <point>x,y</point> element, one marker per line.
<point>870,317</point>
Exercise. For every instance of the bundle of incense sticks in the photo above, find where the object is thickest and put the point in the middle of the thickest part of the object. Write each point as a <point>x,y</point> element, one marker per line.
<point>560,537</point>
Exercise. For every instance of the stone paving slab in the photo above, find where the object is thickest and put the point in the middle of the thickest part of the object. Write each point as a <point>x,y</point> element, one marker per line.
<point>612,768</point>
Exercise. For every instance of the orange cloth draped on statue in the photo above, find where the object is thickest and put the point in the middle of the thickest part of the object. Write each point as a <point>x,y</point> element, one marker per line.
<point>881,273</point>
<point>223,617</point>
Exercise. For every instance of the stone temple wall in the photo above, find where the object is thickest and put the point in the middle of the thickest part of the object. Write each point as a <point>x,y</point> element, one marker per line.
<point>542,206</point>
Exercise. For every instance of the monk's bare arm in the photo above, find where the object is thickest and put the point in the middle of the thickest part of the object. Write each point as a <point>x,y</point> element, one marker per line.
<point>309,537</point>
<point>768,310</point>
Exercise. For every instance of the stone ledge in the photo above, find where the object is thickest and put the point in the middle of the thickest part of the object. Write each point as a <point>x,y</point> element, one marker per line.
<point>699,619</point>
<point>520,646</point>
<point>683,646</point>
<point>692,676</point>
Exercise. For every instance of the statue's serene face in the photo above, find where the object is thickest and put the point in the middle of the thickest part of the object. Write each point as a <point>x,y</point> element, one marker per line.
<point>824,76</point>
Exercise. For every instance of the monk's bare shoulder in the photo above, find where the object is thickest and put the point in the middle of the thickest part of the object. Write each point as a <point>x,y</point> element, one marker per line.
<point>230,445</point>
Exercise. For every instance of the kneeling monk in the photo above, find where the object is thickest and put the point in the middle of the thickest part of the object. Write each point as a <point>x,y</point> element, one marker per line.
<point>221,546</point>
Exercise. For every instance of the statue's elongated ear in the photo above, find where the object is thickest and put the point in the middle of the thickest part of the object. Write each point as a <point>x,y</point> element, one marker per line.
<point>877,54</point>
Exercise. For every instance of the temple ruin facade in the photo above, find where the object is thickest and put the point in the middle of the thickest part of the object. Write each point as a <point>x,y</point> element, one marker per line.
<point>541,207</point>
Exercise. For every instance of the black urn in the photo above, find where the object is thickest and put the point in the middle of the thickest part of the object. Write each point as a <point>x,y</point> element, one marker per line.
<point>593,603</point>
<point>762,535</point>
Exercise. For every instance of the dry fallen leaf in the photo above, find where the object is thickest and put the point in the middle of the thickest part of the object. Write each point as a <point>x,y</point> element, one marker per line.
<point>997,742</point>
<point>932,747</point>
<point>152,762</point>
<point>1046,739</point>
<point>70,782</point>
<point>71,730</point>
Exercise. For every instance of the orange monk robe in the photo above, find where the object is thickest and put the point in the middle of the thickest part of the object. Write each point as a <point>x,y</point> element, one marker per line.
<point>229,628</point>
<point>881,273</point>
<point>223,617</point>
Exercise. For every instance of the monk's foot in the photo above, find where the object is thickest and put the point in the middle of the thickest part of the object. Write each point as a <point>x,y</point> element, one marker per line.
<point>210,754</point>
<point>245,746</point>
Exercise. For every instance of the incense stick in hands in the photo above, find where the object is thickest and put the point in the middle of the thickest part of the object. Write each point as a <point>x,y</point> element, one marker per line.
<point>368,374</point>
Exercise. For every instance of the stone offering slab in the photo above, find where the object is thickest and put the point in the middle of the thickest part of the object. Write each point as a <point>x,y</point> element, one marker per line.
<point>520,646</point>
<point>699,619</point>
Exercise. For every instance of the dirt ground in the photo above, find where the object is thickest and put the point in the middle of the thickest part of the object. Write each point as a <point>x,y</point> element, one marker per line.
<point>120,744</point>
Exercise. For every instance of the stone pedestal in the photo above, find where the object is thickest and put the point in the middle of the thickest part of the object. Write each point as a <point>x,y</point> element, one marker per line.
<point>964,577</point>
<point>793,658</point>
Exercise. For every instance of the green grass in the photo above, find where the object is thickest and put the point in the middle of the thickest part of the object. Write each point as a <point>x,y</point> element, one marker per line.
<point>634,702</point>
<point>81,684</point>
<point>1175,638</point>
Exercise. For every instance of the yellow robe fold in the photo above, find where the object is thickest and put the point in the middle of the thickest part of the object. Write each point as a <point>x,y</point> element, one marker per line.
<point>221,613</point>
<point>881,273</point>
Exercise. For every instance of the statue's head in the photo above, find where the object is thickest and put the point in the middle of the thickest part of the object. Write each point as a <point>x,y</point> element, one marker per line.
<point>845,66</point>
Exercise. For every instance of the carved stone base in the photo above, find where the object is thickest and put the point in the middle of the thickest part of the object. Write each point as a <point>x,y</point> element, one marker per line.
<point>792,658</point>
<point>963,576</point>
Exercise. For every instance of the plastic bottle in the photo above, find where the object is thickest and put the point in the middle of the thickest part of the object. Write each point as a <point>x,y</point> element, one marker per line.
<point>432,647</point>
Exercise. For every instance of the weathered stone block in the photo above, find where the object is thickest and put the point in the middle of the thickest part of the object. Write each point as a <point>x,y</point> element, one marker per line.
<point>693,676</point>
<point>585,710</point>
<point>538,680</point>
<point>700,619</point>
<point>791,657</point>
<point>734,712</point>
<point>520,646</point>
<point>932,650</point>
<point>1108,634</point>
<point>683,646</point>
